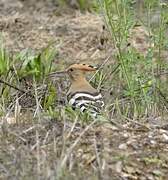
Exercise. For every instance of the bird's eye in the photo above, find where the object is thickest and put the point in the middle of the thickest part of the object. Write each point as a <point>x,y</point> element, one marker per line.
<point>71,69</point>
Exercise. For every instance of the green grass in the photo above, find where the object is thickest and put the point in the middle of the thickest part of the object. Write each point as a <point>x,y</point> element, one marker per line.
<point>139,77</point>
<point>82,5</point>
<point>19,74</point>
<point>140,74</point>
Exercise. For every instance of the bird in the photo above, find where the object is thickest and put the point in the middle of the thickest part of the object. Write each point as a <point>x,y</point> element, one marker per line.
<point>81,94</point>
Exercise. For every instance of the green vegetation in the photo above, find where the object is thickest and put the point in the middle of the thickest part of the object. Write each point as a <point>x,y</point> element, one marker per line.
<point>83,5</point>
<point>141,73</point>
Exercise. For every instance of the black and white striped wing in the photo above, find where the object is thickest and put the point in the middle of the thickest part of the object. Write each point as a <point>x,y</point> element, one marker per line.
<point>86,102</point>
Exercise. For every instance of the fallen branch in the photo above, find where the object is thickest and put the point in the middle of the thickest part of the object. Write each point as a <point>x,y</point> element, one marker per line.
<point>12,86</point>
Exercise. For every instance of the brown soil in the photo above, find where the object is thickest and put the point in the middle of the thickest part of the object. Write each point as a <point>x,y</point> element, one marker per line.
<point>33,25</point>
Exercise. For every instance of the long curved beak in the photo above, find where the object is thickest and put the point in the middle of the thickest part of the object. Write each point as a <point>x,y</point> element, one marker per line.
<point>57,73</point>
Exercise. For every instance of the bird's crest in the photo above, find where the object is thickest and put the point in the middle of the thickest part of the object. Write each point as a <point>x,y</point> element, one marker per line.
<point>82,67</point>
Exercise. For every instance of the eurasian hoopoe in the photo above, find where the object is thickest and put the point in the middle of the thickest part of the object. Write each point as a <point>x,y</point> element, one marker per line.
<point>81,94</point>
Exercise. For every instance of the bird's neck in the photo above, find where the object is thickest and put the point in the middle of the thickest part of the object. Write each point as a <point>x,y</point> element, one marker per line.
<point>79,81</point>
<point>81,84</point>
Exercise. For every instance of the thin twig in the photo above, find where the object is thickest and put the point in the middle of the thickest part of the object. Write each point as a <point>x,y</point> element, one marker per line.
<point>161,74</point>
<point>99,168</point>
<point>63,162</point>
<point>106,60</point>
<point>12,86</point>
<point>164,98</point>
<point>114,70</point>
<point>138,123</point>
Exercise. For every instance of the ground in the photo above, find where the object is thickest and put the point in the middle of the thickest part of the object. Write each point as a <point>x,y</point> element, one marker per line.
<point>28,25</point>
<point>59,149</point>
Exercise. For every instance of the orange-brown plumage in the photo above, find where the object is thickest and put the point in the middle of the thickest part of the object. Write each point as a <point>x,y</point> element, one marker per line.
<point>77,77</point>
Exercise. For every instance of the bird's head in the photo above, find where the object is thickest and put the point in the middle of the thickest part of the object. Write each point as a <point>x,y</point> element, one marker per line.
<point>77,71</point>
